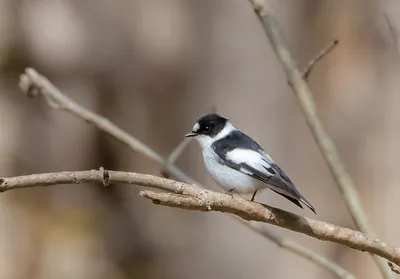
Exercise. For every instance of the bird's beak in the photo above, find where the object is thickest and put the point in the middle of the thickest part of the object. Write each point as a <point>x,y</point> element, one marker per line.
<point>190,135</point>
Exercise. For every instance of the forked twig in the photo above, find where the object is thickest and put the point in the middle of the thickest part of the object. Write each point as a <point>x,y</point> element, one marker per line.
<point>326,50</point>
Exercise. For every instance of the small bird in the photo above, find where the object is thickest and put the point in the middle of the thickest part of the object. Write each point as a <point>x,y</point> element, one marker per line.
<point>239,164</point>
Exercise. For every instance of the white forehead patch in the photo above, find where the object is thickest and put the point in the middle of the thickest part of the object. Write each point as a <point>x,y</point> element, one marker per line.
<point>196,127</point>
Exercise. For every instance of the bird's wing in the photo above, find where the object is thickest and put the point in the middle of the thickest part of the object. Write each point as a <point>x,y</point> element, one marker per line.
<point>260,166</point>
<point>240,152</point>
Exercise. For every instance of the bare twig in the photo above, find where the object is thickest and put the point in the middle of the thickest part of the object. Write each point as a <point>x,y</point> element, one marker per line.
<point>196,198</point>
<point>299,249</point>
<point>34,82</point>
<point>174,155</point>
<point>394,31</point>
<point>319,56</point>
<point>324,141</point>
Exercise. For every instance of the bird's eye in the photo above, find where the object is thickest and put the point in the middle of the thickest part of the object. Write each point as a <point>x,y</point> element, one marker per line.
<point>206,128</point>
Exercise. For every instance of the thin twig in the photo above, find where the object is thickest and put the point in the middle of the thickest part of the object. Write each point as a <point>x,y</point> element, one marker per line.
<point>299,249</point>
<point>319,56</point>
<point>324,141</point>
<point>175,155</point>
<point>284,243</point>
<point>192,197</point>
<point>394,31</point>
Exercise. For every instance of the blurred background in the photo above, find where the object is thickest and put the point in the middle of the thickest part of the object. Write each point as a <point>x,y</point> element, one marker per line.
<point>154,67</point>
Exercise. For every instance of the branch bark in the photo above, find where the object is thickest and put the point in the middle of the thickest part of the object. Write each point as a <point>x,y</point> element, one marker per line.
<point>324,141</point>
<point>33,84</point>
<point>192,197</point>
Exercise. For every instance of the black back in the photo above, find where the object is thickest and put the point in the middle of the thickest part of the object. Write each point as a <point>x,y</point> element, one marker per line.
<point>210,124</point>
<point>235,139</point>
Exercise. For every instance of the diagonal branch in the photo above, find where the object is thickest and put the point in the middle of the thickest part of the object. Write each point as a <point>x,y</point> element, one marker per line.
<point>300,250</point>
<point>324,141</point>
<point>394,31</point>
<point>175,155</point>
<point>326,50</point>
<point>33,84</point>
<point>192,197</point>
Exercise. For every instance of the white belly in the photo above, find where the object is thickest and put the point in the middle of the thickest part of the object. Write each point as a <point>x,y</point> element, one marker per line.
<point>228,178</point>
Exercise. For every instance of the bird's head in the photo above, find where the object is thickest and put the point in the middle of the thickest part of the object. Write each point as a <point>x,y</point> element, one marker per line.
<point>210,128</point>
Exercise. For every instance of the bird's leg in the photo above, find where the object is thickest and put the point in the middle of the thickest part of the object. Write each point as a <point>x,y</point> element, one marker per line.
<point>230,192</point>
<point>254,195</point>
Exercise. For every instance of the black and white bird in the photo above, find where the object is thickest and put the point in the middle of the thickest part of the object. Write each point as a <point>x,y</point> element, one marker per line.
<point>239,164</point>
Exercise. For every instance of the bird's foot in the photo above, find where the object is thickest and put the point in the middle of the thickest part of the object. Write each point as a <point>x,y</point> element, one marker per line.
<point>230,192</point>
<point>254,195</point>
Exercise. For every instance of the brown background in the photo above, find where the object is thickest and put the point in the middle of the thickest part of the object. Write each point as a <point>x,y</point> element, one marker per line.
<point>154,67</point>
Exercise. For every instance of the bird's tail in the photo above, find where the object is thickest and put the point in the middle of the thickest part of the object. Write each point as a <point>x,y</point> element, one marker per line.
<point>297,201</point>
<point>308,204</point>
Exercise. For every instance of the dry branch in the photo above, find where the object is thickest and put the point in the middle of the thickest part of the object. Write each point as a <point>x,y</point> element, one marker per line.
<point>318,57</point>
<point>300,250</point>
<point>33,84</point>
<point>324,141</point>
<point>394,31</point>
<point>192,197</point>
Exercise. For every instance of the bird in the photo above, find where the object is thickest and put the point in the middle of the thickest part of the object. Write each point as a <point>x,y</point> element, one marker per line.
<point>238,164</point>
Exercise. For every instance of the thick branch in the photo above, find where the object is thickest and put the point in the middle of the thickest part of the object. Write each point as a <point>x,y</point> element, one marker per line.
<point>324,141</point>
<point>195,198</point>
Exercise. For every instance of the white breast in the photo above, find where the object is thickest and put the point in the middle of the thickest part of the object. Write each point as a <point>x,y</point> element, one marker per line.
<point>228,178</point>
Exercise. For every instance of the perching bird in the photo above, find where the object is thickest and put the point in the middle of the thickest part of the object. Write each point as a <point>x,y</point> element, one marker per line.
<point>238,164</point>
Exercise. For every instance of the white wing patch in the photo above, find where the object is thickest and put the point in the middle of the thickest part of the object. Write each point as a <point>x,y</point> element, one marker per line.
<point>251,158</point>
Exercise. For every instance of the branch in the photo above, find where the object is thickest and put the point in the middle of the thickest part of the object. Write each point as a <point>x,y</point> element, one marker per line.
<point>319,56</point>
<point>192,197</point>
<point>32,83</point>
<point>394,31</point>
<point>299,249</point>
<point>175,155</point>
<point>282,242</point>
<point>324,141</point>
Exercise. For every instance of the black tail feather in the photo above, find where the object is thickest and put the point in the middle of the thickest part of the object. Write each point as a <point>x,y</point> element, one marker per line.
<point>297,202</point>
